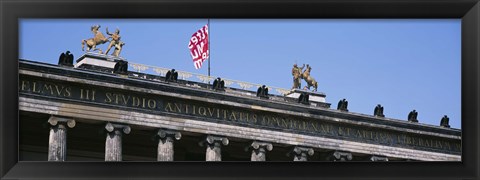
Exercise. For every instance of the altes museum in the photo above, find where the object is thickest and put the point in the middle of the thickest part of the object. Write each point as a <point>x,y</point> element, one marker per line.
<point>99,109</point>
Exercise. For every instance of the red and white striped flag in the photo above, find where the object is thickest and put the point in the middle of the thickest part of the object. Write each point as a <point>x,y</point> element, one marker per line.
<point>198,46</point>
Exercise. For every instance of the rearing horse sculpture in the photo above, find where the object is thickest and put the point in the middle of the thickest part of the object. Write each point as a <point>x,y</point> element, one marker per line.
<point>98,38</point>
<point>309,79</point>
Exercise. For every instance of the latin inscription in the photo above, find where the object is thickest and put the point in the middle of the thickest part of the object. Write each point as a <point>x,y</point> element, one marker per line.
<point>235,116</point>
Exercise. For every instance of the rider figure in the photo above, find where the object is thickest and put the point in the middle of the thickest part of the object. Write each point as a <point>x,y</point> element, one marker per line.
<point>297,75</point>
<point>115,40</point>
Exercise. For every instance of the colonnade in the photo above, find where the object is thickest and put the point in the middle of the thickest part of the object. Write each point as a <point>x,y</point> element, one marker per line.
<point>166,140</point>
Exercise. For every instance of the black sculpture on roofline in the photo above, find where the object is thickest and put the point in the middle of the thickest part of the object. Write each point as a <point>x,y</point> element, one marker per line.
<point>66,59</point>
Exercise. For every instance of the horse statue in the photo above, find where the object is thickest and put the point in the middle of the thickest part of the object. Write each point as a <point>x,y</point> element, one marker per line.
<point>97,39</point>
<point>309,79</point>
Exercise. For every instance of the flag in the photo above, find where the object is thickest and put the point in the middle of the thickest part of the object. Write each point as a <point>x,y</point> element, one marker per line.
<point>198,46</point>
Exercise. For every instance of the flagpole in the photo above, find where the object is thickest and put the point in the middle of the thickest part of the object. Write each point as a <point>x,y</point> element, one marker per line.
<point>209,51</point>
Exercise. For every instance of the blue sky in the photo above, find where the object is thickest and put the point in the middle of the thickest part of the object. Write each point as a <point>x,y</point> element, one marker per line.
<point>401,64</point>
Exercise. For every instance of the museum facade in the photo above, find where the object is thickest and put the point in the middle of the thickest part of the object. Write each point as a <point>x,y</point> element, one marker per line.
<point>93,112</point>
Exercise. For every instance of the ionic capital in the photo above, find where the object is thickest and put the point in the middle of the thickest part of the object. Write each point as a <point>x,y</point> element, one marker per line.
<point>378,158</point>
<point>164,134</point>
<point>55,120</point>
<point>341,156</point>
<point>110,127</point>
<point>260,146</point>
<point>298,151</point>
<point>214,141</point>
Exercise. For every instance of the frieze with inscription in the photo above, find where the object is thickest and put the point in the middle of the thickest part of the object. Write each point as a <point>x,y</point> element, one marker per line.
<point>119,98</point>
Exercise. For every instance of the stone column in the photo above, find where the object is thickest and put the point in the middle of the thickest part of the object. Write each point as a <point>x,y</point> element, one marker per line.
<point>259,150</point>
<point>340,156</point>
<point>57,142</point>
<point>113,144</point>
<point>301,153</point>
<point>165,144</point>
<point>214,147</point>
<point>378,158</point>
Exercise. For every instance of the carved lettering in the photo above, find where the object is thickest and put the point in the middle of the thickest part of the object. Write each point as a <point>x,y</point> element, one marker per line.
<point>202,111</point>
<point>108,98</point>
<point>224,114</point>
<point>135,101</point>
<point>304,125</point>
<point>116,97</point>
<point>186,108</point>
<point>59,91</point>
<point>264,121</point>
<point>438,144</point>
<point>408,139</point>
<point>274,121</point>
<point>447,146</point>
<point>125,99</point>
<point>458,147</point>
<point>284,123</point>
<point>232,116</point>
<point>421,142</point>
<point>427,143</point>
<point>152,104</point>
<point>210,112</point>
<point>293,125</point>
<point>325,128</point>
<point>340,131</point>
<point>25,85</point>
<point>314,126</point>
<point>67,92</point>
<point>358,134</point>
<point>241,116</point>
<point>254,117</point>
<point>169,108</point>
<point>47,88</point>
<point>35,88</point>
<point>85,94</point>
<point>178,107</point>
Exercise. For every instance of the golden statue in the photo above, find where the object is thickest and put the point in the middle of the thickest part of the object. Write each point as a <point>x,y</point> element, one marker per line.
<point>98,38</point>
<point>309,79</point>
<point>115,42</point>
<point>297,75</point>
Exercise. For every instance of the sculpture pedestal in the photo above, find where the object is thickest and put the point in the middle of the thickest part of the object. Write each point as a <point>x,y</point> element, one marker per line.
<point>98,61</point>
<point>316,99</point>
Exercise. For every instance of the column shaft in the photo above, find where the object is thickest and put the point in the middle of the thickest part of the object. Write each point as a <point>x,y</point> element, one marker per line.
<point>165,149</point>
<point>258,155</point>
<point>113,142</point>
<point>165,139</point>
<point>302,157</point>
<point>214,147</point>
<point>113,146</point>
<point>214,152</point>
<point>259,150</point>
<point>57,143</point>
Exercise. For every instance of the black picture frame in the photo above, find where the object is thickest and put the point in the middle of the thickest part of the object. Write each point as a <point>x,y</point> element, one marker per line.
<point>467,10</point>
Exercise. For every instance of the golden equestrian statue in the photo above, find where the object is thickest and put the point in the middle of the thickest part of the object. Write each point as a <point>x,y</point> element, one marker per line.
<point>309,79</point>
<point>98,38</point>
